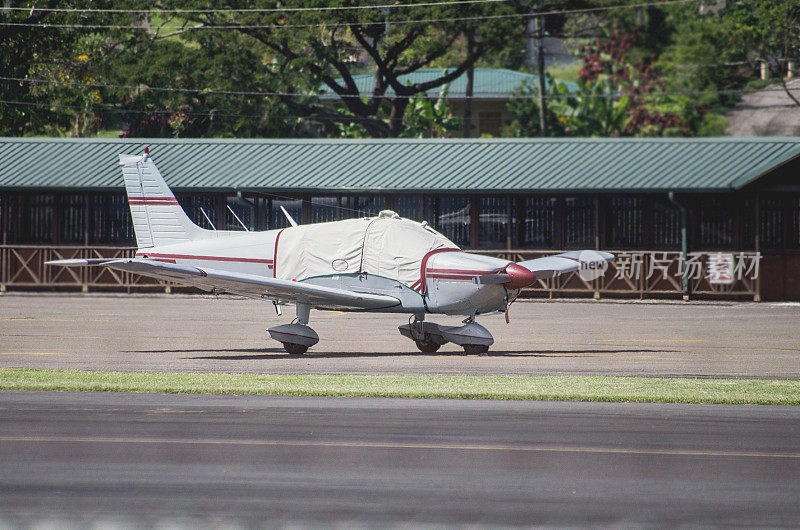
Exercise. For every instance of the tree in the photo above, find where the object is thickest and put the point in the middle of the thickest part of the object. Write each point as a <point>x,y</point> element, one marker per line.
<point>23,48</point>
<point>327,47</point>
<point>206,77</point>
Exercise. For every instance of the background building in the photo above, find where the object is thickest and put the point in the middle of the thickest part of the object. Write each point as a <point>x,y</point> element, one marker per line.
<point>517,198</point>
<point>492,89</point>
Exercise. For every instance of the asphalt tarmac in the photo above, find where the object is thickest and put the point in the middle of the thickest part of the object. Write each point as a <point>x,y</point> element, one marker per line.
<point>175,333</point>
<point>145,460</point>
<point>148,460</point>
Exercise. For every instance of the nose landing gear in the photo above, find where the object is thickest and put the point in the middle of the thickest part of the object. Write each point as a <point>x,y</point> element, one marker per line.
<point>429,337</point>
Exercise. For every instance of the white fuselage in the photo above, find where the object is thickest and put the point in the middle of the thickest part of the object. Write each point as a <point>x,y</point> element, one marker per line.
<point>446,284</point>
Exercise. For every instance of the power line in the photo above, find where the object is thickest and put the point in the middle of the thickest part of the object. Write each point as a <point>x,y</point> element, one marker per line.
<point>251,10</point>
<point>336,24</point>
<point>225,114</point>
<point>156,89</point>
<point>730,92</point>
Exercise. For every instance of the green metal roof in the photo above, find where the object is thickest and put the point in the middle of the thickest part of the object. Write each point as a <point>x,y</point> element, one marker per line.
<point>457,165</point>
<point>487,83</point>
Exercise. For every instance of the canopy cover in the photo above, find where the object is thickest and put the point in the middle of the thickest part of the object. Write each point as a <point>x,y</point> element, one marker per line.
<point>387,246</point>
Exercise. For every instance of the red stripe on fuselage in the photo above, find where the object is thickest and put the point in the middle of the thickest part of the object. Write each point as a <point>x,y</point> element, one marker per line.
<point>451,277</point>
<point>205,258</point>
<point>431,272</point>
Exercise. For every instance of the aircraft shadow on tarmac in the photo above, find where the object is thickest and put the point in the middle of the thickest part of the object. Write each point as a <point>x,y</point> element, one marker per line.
<point>279,353</point>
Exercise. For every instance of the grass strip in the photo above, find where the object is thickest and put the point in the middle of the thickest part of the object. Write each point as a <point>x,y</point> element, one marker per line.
<point>561,388</point>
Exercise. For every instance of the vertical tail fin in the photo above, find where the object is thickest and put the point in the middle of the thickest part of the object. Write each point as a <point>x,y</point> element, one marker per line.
<point>158,219</point>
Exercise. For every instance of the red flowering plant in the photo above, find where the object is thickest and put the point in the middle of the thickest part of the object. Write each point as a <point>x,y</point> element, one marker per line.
<point>651,109</point>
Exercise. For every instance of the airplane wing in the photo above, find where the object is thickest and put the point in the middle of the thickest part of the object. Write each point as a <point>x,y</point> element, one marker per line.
<point>550,266</point>
<point>250,285</point>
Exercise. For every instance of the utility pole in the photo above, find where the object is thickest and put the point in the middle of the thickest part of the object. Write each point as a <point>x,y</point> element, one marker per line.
<point>467,128</point>
<point>468,101</point>
<point>542,83</point>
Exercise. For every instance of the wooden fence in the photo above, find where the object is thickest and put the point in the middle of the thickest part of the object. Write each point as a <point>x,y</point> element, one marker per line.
<point>634,274</point>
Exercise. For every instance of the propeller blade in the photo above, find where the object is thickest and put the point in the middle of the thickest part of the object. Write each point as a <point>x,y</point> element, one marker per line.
<point>550,266</point>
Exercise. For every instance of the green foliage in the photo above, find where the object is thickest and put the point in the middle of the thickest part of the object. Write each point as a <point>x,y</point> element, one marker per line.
<point>54,54</point>
<point>671,48</point>
<point>429,118</point>
<point>525,108</point>
<point>712,125</point>
<point>593,110</point>
<point>566,72</point>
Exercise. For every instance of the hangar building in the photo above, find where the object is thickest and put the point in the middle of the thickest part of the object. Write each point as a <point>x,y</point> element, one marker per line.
<point>516,198</point>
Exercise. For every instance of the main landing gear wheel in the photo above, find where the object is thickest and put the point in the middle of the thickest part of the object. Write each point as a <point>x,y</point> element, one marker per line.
<point>474,349</point>
<point>294,349</point>
<point>427,346</point>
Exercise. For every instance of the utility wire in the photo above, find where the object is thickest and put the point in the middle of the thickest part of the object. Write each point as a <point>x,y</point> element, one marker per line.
<point>730,92</point>
<point>251,10</point>
<point>45,25</point>
<point>227,114</point>
<point>215,114</point>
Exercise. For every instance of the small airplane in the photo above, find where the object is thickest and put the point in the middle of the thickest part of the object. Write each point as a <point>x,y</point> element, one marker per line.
<point>377,264</point>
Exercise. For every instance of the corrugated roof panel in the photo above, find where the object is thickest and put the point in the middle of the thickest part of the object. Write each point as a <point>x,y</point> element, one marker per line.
<point>503,165</point>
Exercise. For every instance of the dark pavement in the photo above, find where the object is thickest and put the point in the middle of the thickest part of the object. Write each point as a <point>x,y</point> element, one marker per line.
<point>173,333</point>
<point>145,460</point>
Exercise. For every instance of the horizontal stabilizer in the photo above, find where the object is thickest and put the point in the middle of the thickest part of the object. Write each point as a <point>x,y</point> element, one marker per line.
<point>82,262</point>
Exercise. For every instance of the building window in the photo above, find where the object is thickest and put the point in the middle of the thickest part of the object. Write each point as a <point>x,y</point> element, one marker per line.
<point>15,224</point>
<point>539,225</point>
<point>408,206</point>
<point>626,222</point>
<point>362,206</point>
<point>72,218</point>
<point>111,221</point>
<point>40,223</point>
<point>452,219</point>
<point>579,222</point>
<point>276,217</point>
<point>493,222</point>
<point>196,206</point>
<point>489,123</point>
<point>794,211</point>
<point>747,227</point>
<point>715,223</point>
<point>241,208</point>
<point>771,222</point>
<point>368,205</point>
<point>324,209</point>
<point>666,226</point>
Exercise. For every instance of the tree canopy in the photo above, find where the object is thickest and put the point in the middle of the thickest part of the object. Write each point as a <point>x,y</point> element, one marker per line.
<point>257,69</point>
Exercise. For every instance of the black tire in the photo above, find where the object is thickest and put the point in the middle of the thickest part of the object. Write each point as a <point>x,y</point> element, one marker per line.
<point>294,349</point>
<point>427,346</point>
<point>474,349</point>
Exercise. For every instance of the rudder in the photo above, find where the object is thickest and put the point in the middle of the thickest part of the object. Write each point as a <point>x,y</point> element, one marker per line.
<point>158,219</point>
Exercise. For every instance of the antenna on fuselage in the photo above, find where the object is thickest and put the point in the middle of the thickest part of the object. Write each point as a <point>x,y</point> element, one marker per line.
<point>289,217</point>
<point>208,219</point>
<point>237,218</point>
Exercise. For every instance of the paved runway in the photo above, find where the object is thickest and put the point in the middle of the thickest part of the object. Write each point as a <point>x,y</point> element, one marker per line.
<point>153,460</point>
<point>207,334</point>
